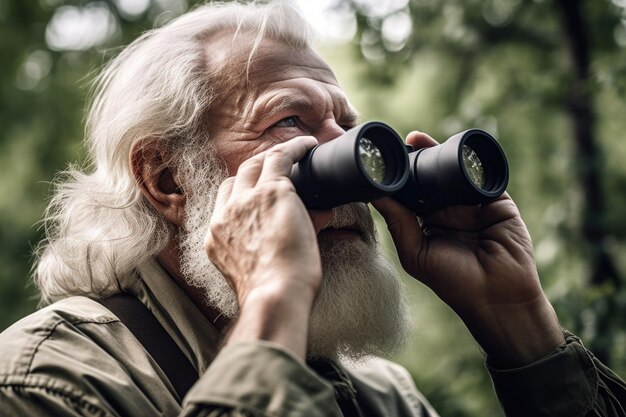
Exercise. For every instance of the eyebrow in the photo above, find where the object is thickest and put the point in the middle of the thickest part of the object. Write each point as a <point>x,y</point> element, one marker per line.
<point>301,104</point>
<point>283,103</point>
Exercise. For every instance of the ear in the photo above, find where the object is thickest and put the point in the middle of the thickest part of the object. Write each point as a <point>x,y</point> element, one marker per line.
<point>157,181</point>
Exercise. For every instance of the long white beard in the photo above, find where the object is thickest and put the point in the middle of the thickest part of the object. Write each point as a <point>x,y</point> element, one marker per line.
<point>361,306</point>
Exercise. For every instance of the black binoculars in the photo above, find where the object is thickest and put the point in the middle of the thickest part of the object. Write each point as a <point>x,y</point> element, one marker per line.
<point>371,161</point>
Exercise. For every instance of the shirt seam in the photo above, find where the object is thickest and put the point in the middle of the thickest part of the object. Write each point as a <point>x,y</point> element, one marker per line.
<point>38,345</point>
<point>29,353</point>
<point>591,372</point>
<point>406,387</point>
<point>77,400</point>
<point>53,328</point>
<point>215,402</point>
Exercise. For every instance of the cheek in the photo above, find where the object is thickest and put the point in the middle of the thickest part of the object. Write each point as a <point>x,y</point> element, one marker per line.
<point>234,152</point>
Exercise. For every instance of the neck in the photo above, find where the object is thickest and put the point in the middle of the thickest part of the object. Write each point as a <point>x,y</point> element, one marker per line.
<point>169,259</point>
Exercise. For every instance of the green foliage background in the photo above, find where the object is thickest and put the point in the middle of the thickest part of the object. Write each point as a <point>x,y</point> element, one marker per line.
<point>512,67</point>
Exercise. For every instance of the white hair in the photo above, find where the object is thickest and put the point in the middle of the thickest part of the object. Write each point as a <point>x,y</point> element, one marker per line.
<point>98,226</point>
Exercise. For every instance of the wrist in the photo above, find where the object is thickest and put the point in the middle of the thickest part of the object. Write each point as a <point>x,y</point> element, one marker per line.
<point>274,291</point>
<point>514,335</point>
<point>275,312</point>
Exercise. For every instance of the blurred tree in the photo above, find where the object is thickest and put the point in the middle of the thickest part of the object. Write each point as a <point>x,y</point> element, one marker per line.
<point>535,73</point>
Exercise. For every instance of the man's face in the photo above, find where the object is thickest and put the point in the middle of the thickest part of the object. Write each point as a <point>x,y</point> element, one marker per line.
<point>285,93</point>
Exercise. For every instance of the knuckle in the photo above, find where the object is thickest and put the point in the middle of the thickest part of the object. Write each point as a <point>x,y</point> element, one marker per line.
<point>235,211</point>
<point>216,239</point>
<point>277,152</point>
<point>264,192</point>
<point>227,183</point>
<point>252,163</point>
<point>283,186</point>
<point>209,243</point>
<point>277,188</point>
<point>241,201</point>
<point>216,227</point>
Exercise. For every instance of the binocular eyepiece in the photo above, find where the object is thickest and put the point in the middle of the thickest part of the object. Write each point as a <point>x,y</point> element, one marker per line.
<point>370,161</point>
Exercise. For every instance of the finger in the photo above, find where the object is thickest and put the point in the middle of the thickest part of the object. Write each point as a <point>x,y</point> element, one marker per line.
<point>405,230</point>
<point>223,194</point>
<point>280,158</point>
<point>472,217</point>
<point>247,174</point>
<point>420,140</point>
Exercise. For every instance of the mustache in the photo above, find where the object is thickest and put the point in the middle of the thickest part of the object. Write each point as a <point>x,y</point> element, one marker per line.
<point>354,216</point>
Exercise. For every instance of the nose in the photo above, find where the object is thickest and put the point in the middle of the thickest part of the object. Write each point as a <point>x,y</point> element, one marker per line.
<point>328,131</point>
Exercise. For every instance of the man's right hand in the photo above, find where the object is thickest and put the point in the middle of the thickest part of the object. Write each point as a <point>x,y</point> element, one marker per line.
<point>263,240</point>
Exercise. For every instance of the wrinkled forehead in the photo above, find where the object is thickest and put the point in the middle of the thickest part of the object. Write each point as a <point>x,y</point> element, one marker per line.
<point>236,60</point>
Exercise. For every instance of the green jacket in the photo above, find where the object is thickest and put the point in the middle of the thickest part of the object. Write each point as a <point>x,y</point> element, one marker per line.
<point>75,358</point>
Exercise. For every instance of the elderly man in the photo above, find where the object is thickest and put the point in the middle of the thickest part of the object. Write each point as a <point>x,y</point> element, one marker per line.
<point>188,208</point>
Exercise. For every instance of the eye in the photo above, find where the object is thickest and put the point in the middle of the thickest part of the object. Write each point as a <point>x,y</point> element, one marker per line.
<point>291,121</point>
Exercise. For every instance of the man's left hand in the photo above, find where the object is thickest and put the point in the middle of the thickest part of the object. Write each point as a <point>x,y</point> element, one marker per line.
<point>479,260</point>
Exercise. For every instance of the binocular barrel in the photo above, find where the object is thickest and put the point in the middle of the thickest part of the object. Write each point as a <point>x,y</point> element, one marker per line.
<point>469,168</point>
<point>365,163</point>
<point>370,161</point>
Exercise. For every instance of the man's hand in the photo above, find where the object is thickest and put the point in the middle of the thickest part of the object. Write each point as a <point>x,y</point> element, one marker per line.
<point>264,242</point>
<point>479,260</point>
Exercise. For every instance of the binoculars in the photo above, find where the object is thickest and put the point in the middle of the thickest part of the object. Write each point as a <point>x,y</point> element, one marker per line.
<point>371,161</point>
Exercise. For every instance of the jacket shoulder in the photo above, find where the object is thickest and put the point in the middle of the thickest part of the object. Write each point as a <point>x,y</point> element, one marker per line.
<point>79,351</point>
<point>56,326</point>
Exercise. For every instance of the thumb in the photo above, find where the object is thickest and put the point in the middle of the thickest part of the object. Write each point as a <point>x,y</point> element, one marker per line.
<point>420,140</point>
<point>405,231</point>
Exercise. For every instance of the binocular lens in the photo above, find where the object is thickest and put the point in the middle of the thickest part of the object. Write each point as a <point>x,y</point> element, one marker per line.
<point>372,160</point>
<point>473,166</point>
